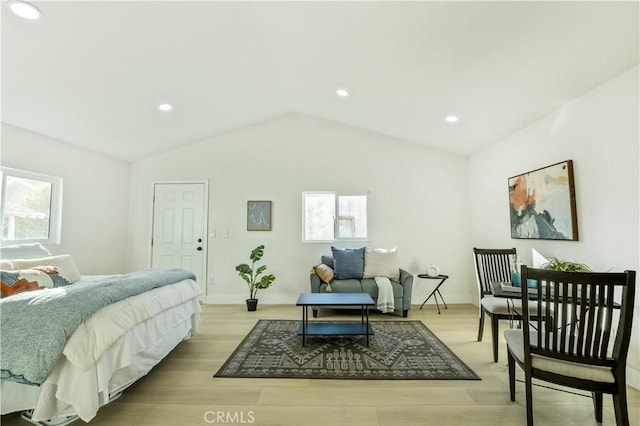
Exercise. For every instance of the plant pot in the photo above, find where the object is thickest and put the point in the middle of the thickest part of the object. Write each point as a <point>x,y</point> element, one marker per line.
<point>252,304</point>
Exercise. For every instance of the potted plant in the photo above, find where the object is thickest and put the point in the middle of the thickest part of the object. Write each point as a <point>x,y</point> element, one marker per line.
<point>556,264</point>
<point>253,276</point>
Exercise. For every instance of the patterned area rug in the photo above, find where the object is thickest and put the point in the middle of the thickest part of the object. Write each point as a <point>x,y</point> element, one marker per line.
<point>399,350</point>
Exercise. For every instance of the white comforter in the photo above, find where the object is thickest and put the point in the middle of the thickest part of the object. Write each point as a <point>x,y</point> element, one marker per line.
<point>109,351</point>
<point>100,331</point>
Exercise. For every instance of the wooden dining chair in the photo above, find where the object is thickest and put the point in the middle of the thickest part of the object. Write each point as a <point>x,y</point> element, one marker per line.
<point>494,265</point>
<point>583,344</point>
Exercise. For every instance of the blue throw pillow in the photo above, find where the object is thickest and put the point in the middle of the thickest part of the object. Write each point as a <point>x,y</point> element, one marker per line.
<point>348,263</point>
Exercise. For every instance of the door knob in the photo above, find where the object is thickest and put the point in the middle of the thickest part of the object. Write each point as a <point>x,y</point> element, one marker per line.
<point>199,248</point>
<point>199,240</point>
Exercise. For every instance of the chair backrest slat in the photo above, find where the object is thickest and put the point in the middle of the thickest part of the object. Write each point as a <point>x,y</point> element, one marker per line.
<point>580,345</point>
<point>608,321</point>
<point>578,322</point>
<point>598,332</point>
<point>573,320</point>
<point>562,327</point>
<point>591,321</point>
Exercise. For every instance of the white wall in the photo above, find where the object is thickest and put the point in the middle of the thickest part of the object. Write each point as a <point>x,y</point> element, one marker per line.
<point>599,132</point>
<point>95,196</point>
<point>418,201</point>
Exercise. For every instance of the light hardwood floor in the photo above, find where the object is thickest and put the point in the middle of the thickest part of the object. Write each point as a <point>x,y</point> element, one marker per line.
<point>182,391</point>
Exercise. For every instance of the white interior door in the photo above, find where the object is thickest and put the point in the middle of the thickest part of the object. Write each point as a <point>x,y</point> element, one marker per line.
<point>179,228</point>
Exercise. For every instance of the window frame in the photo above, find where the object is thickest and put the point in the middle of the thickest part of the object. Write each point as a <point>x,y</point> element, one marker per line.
<point>336,216</point>
<point>55,206</point>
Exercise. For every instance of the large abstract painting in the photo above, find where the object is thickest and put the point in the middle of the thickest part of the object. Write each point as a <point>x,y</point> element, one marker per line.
<point>542,203</point>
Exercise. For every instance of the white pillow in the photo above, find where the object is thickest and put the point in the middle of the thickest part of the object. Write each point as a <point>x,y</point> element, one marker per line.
<point>66,265</point>
<point>23,251</point>
<point>381,263</point>
<point>6,265</point>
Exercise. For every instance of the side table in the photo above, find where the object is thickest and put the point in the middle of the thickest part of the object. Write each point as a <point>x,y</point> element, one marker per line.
<point>436,292</point>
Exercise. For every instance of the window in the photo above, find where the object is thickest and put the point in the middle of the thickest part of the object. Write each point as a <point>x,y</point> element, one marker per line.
<point>31,205</point>
<point>320,210</point>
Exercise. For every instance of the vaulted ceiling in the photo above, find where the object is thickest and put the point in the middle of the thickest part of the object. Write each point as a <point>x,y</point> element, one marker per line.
<point>93,73</point>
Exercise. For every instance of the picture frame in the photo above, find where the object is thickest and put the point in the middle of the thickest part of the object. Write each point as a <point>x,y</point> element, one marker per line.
<point>542,203</point>
<point>258,215</point>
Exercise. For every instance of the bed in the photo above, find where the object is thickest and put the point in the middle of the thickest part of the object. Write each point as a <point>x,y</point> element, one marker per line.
<point>116,329</point>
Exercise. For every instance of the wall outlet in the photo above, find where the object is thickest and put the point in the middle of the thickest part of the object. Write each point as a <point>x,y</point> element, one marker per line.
<point>210,280</point>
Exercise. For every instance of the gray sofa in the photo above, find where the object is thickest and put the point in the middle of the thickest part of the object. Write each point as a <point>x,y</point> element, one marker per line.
<point>401,289</point>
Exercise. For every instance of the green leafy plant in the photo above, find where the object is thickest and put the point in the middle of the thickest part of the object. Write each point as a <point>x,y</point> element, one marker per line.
<point>252,274</point>
<point>565,265</point>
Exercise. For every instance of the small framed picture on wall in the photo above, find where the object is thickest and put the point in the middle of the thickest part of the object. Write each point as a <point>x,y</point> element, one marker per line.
<point>258,215</point>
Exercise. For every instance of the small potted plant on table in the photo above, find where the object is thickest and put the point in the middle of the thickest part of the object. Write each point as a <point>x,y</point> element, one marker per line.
<point>252,276</point>
<point>565,265</point>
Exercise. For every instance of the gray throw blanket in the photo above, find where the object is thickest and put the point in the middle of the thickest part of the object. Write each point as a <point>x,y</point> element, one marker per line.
<point>35,325</point>
<point>385,302</point>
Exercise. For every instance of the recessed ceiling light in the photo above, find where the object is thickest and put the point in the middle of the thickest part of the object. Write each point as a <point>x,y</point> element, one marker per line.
<point>451,118</point>
<point>24,10</point>
<point>165,107</point>
<point>342,92</point>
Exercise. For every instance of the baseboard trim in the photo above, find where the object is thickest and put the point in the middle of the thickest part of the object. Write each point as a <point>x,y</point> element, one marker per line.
<point>278,299</point>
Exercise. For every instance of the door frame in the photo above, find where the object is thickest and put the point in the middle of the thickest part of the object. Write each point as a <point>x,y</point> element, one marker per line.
<point>205,227</point>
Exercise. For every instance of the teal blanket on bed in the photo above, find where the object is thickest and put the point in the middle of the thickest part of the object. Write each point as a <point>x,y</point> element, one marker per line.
<point>35,325</point>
